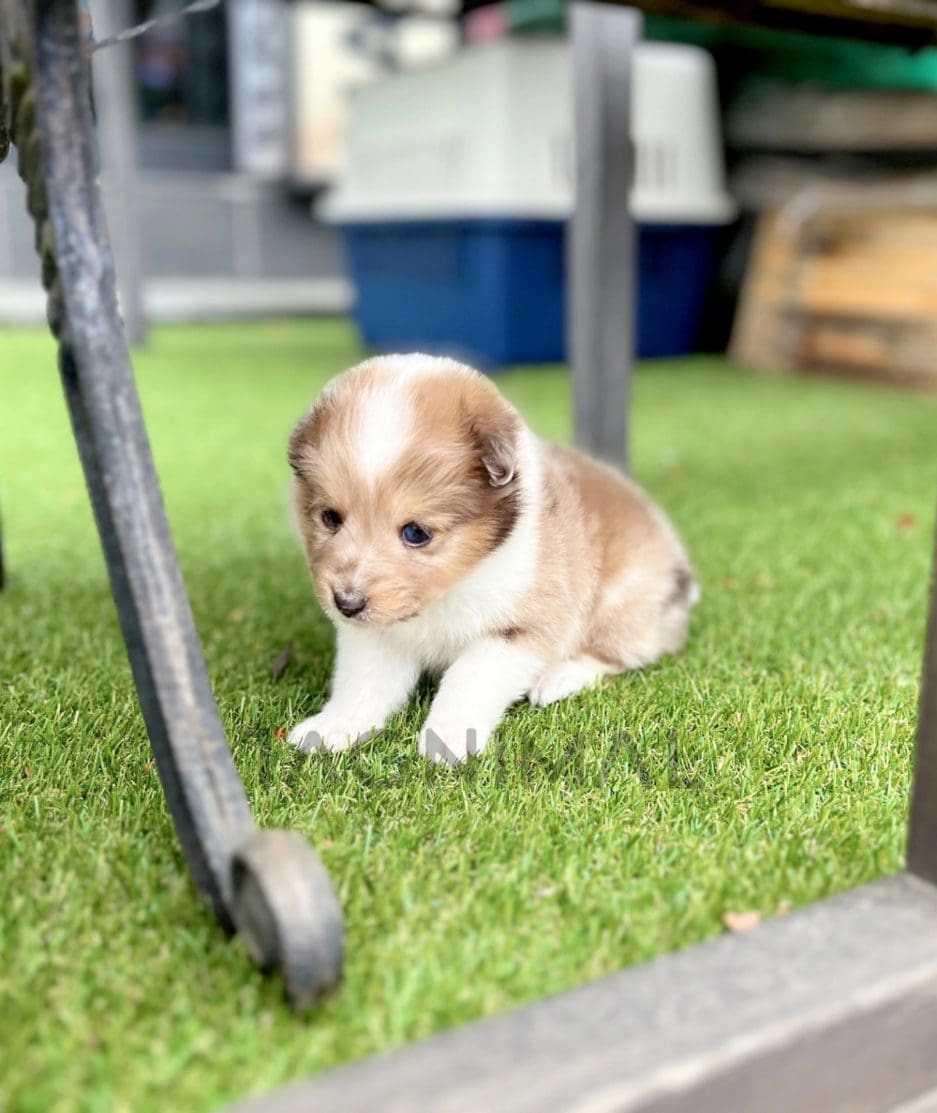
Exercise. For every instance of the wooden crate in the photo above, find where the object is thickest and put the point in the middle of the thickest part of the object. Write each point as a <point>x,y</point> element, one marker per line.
<point>843,290</point>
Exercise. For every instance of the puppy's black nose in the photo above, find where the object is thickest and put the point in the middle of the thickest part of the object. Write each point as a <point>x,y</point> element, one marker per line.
<point>350,603</point>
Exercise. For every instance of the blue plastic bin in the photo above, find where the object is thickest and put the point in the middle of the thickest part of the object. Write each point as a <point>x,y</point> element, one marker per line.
<point>492,291</point>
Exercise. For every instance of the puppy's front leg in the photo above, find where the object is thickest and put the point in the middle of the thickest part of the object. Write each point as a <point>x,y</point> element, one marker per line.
<point>475,692</point>
<point>372,680</point>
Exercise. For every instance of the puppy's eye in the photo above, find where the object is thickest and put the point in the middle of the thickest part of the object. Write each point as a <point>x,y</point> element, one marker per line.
<point>415,536</point>
<point>331,519</point>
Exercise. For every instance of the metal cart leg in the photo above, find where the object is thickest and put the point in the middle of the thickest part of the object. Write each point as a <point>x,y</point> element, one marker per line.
<point>267,885</point>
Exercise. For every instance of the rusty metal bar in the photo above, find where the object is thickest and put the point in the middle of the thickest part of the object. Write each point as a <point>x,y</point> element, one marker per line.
<point>267,885</point>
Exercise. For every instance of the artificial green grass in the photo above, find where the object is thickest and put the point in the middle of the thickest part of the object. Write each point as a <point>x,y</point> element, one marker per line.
<point>768,765</point>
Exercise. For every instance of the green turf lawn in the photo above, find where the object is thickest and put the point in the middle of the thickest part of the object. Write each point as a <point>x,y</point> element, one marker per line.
<point>767,766</point>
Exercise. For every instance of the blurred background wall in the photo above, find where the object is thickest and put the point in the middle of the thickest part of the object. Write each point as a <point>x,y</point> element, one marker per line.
<point>274,138</point>
<point>240,119</point>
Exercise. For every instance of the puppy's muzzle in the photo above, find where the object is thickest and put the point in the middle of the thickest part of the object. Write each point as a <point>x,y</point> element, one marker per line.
<point>350,603</point>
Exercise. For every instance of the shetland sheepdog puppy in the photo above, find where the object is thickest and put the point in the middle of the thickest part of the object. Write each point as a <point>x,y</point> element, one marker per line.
<point>443,536</point>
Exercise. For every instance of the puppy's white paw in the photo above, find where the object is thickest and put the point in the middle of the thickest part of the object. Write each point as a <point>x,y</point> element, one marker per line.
<point>562,680</point>
<point>449,741</point>
<point>328,731</point>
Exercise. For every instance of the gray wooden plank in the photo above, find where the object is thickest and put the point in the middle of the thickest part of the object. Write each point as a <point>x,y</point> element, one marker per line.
<point>831,1008</point>
<point>601,266</point>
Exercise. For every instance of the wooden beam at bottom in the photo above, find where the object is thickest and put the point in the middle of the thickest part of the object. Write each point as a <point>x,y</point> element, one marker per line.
<point>831,1008</point>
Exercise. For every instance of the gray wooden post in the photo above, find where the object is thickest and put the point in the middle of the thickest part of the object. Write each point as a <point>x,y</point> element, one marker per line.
<point>115,115</point>
<point>601,260</point>
<point>922,835</point>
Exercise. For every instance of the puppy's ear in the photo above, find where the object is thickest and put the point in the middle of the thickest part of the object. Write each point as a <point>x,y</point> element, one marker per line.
<point>499,461</point>
<point>299,445</point>
<point>304,439</point>
<point>496,438</point>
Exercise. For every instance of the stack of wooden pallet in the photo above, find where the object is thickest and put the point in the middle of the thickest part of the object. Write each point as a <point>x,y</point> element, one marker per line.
<point>842,275</point>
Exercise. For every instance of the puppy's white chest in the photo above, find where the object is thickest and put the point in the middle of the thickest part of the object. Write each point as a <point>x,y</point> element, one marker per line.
<point>436,640</point>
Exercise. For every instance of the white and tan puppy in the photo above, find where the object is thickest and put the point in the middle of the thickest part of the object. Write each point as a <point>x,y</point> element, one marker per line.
<point>444,536</point>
